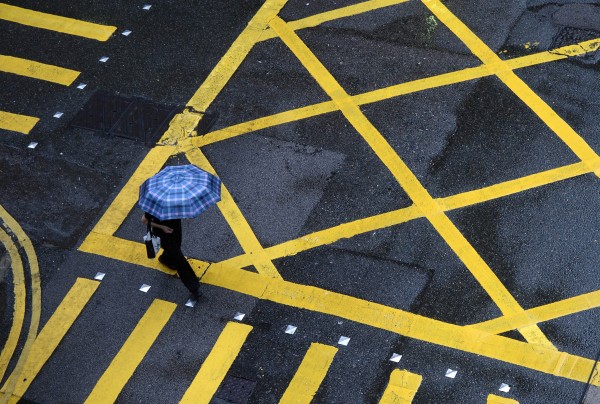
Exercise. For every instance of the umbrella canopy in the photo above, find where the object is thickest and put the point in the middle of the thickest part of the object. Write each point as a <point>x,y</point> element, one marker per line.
<point>179,192</point>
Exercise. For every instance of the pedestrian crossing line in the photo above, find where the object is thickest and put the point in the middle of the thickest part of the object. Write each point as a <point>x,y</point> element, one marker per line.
<point>55,23</point>
<point>397,90</point>
<point>310,374</point>
<point>20,295</point>
<point>409,182</point>
<point>48,339</point>
<point>498,67</point>
<point>132,352</point>
<point>17,123</point>
<point>217,364</point>
<point>37,70</point>
<point>493,399</point>
<point>238,224</point>
<point>401,388</point>
<point>540,314</point>
<point>332,15</point>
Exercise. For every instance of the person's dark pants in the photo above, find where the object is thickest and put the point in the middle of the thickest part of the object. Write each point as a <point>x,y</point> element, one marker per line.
<point>174,258</point>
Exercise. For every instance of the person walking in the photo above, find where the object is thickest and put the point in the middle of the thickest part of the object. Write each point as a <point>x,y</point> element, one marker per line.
<point>175,193</point>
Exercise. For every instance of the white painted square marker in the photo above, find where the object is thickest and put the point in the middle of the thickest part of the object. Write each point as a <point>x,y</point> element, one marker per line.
<point>451,373</point>
<point>190,303</point>
<point>290,329</point>
<point>145,288</point>
<point>126,32</point>
<point>81,86</point>
<point>99,276</point>
<point>344,341</point>
<point>505,388</point>
<point>58,114</point>
<point>103,59</point>
<point>239,316</point>
<point>395,358</point>
<point>32,145</point>
<point>147,7</point>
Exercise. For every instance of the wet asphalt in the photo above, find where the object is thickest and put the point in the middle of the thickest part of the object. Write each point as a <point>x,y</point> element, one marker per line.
<point>297,178</point>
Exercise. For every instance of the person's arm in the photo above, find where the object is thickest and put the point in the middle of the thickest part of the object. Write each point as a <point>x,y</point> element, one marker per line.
<point>164,228</point>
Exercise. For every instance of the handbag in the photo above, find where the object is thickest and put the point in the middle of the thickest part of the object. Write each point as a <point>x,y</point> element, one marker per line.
<point>152,242</point>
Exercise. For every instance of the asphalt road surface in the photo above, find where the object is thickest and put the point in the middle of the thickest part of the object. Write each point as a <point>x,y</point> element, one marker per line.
<point>409,207</point>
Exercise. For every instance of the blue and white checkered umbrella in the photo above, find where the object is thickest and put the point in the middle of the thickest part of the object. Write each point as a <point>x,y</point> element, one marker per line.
<point>179,192</point>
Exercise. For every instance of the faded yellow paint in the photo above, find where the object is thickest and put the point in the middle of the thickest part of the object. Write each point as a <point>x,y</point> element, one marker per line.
<point>309,375</point>
<point>51,335</point>
<point>17,123</point>
<point>498,67</point>
<point>405,177</point>
<point>37,70</point>
<point>217,364</point>
<point>132,352</point>
<point>401,388</point>
<point>55,23</point>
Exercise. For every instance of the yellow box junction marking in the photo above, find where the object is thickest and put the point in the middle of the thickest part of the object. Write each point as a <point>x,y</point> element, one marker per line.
<point>130,355</point>
<point>55,23</point>
<point>493,399</point>
<point>310,374</point>
<point>401,388</point>
<point>498,67</point>
<point>394,91</point>
<point>17,123</point>
<point>238,224</point>
<point>36,70</point>
<point>405,177</point>
<point>217,364</point>
<point>50,336</point>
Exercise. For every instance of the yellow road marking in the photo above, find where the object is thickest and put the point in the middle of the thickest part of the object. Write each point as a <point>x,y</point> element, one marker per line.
<point>183,124</point>
<point>234,217</point>
<point>36,297</point>
<point>18,315</point>
<point>17,123</point>
<point>440,80</point>
<point>342,12</point>
<point>493,399</point>
<point>401,388</point>
<point>55,23</point>
<point>217,364</point>
<point>132,352</point>
<point>51,335</point>
<point>405,177</point>
<point>310,374</point>
<point>518,86</point>
<point>36,70</point>
<point>540,314</point>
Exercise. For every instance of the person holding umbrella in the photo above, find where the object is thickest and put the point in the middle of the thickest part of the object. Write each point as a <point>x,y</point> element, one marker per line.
<point>175,193</point>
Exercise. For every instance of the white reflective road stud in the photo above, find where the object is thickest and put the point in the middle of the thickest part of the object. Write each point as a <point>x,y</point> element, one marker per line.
<point>344,341</point>
<point>239,316</point>
<point>451,373</point>
<point>145,288</point>
<point>395,358</point>
<point>290,329</point>
<point>99,276</point>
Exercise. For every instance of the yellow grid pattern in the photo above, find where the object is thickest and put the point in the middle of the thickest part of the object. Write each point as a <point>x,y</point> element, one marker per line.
<point>482,339</point>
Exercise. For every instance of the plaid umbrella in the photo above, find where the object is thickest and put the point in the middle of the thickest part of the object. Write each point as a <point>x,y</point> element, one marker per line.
<point>179,192</point>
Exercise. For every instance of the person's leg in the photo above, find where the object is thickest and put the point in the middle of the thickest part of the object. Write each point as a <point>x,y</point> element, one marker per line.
<point>187,275</point>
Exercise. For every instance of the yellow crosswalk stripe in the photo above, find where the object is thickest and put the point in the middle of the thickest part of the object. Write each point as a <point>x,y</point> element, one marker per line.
<point>217,364</point>
<point>493,399</point>
<point>309,375</point>
<point>55,23</point>
<point>401,388</point>
<point>50,336</point>
<point>36,70</point>
<point>17,123</point>
<point>130,355</point>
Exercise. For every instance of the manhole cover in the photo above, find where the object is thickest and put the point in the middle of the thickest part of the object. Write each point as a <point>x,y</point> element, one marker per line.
<point>132,118</point>
<point>236,390</point>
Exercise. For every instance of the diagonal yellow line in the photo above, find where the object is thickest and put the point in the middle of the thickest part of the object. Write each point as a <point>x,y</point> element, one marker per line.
<point>401,388</point>
<point>234,217</point>
<point>427,83</point>
<point>55,23</point>
<point>17,123</point>
<point>36,70</point>
<point>336,14</point>
<point>498,67</point>
<point>405,177</point>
